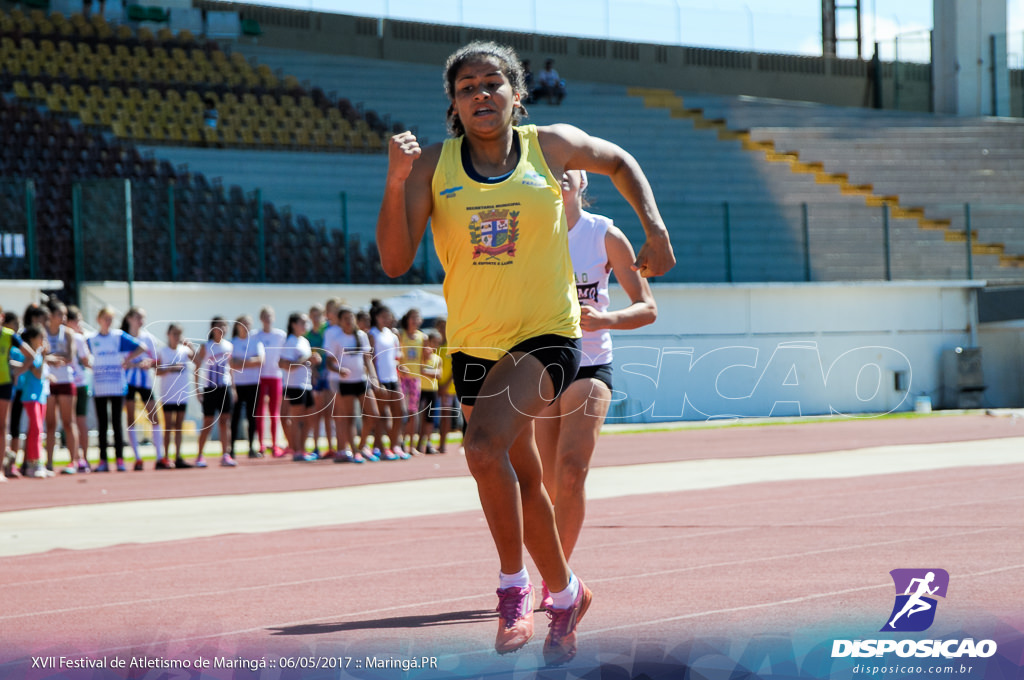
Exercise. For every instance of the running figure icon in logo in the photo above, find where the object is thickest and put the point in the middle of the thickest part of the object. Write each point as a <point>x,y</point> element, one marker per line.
<point>917,585</point>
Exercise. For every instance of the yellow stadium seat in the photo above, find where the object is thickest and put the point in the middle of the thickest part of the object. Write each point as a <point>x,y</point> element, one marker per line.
<point>21,90</point>
<point>229,136</point>
<point>125,33</point>
<point>164,35</point>
<point>146,35</point>
<point>186,37</point>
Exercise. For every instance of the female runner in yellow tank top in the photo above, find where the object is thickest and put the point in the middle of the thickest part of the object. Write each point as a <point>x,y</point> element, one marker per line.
<point>493,195</point>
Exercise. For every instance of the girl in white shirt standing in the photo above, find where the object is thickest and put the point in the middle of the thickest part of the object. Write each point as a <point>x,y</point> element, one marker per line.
<point>213,375</point>
<point>113,351</point>
<point>63,344</point>
<point>269,397</point>
<point>247,358</point>
<point>349,355</point>
<point>175,389</point>
<point>297,360</point>
<point>140,382</point>
<point>390,401</point>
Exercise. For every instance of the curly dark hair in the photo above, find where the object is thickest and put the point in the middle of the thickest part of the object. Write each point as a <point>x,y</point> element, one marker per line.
<point>511,66</point>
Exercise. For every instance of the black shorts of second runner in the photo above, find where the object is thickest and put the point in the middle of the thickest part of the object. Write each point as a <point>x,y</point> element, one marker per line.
<point>216,401</point>
<point>173,408</point>
<point>352,389</point>
<point>6,391</point>
<point>601,373</point>
<point>144,393</point>
<point>297,396</point>
<point>559,355</point>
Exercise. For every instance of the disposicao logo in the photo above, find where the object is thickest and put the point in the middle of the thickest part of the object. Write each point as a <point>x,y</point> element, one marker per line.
<point>912,612</point>
<point>916,590</point>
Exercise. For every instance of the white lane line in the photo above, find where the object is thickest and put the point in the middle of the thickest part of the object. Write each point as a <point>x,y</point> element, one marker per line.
<point>39,530</point>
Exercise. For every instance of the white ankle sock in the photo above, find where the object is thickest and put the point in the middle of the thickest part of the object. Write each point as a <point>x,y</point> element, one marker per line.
<point>564,599</point>
<point>520,580</point>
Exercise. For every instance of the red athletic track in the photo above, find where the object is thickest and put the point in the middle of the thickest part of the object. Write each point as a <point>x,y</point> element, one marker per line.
<point>783,557</point>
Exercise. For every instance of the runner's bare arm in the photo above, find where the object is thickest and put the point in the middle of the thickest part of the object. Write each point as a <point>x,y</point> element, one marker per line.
<point>407,202</point>
<point>642,309</point>
<point>569,148</point>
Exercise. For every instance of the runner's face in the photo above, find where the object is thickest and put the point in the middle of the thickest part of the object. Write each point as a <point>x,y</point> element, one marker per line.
<point>484,99</point>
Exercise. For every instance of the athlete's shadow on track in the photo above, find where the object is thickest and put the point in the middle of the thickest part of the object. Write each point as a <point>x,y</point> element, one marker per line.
<point>426,621</point>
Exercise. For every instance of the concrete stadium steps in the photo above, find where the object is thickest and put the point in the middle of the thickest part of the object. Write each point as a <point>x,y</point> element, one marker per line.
<point>907,162</point>
<point>696,162</point>
<point>308,183</point>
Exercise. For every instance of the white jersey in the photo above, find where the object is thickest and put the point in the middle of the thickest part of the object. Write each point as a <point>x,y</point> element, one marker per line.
<point>331,335</point>
<point>216,366</point>
<point>590,268</point>
<point>175,386</point>
<point>79,370</point>
<point>385,354</point>
<point>109,352</point>
<point>297,352</point>
<point>63,344</point>
<point>248,348</point>
<point>139,377</point>
<point>349,350</point>
<point>273,343</point>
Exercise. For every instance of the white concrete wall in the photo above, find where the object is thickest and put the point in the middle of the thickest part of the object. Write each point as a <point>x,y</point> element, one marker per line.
<point>722,351</point>
<point>719,350</point>
<point>17,294</point>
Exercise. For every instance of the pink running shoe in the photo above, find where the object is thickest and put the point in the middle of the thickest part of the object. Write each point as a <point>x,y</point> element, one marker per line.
<point>546,602</point>
<point>515,619</point>
<point>560,645</point>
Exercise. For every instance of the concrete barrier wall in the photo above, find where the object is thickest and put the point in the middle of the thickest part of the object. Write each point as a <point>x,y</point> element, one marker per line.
<point>17,294</point>
<point>716,351</point>
<point>723,351</point>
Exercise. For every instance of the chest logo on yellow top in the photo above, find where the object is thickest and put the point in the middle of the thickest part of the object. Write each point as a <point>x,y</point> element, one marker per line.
<point>493,235</point>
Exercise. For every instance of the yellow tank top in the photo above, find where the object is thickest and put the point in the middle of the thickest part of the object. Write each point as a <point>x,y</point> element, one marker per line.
<point>505,251</point>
